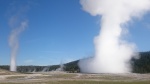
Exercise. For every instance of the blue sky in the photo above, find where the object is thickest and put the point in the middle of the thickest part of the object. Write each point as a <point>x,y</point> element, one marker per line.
<point>59,30</point>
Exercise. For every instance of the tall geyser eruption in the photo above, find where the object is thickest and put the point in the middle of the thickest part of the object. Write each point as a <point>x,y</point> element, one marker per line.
<point>18,23</point>
<point>113,53</point>
<point>14,44</point>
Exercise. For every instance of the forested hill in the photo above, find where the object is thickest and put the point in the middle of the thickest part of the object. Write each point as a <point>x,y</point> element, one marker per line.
<point>141,65</point>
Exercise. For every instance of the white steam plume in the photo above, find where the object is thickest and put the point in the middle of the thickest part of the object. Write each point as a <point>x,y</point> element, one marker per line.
<point>14,44</point>
<point>18,23</point>
<point>113,53</point>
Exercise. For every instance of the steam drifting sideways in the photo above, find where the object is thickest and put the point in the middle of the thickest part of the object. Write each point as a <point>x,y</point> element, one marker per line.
<point>113,53</point>
<point>18,24</point>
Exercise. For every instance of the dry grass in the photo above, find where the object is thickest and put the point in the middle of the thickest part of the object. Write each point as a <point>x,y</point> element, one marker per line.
<point>73,78</point>
<point>5,72</point>
<point>83,82</point>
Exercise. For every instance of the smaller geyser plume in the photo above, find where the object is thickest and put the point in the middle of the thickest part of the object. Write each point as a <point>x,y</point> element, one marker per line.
<point>46,69</point>
<point>61,68</point>
<point>14,44</point>
<point>113,53</point>
<point>34,70</point>
<point>18,23</point>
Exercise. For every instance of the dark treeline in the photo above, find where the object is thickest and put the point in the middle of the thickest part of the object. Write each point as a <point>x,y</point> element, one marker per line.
<point>141,65</point>
<point>72,67</point>
<point>31,68</point>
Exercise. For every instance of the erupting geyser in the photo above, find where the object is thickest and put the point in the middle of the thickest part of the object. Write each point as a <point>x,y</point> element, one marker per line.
<point>14,44</point>
<point>18,23</point>
<point>113,53</point>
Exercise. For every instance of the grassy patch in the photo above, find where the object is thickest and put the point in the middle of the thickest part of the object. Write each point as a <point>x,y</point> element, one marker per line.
<point>63,75</point>
<point>99,82</point>
<point>84,82</point>
<point>15,77</point>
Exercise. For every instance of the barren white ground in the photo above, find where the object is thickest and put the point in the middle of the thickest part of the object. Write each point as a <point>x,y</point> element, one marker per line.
<point>60,76</point>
